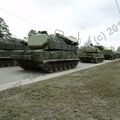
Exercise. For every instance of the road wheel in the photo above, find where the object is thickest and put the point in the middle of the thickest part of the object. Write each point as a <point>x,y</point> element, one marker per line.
<point>49,68</point>
<point>64,65</point>
<point>56,69</point>
<point>96,60</point>
<point>60,67</point>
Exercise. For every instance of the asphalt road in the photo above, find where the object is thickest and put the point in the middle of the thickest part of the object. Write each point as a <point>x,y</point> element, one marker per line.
<point>11,77</point>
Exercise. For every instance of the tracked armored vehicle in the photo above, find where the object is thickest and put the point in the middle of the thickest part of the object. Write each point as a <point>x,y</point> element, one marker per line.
<point>49,53</point>
<point>108,54</point>
<point>90,54</point>
<point>117,54</point>
<point>8,46</point>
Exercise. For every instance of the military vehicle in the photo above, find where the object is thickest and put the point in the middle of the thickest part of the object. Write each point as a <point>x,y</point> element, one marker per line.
<point>8,45</point>
<point>49,53</point>
<point>90,54</point>
<point>117,54</point>
<point>108,54</point>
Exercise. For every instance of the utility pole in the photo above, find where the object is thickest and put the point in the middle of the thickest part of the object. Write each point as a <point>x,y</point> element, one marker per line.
<point>117,6</point>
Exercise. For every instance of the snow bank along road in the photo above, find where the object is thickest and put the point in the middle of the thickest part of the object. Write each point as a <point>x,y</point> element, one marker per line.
<point>11,77</point>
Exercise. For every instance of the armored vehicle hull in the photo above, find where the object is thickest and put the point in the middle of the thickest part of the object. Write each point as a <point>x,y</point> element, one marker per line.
<point>109,54</point>
<point>8,45</point>
<point>117,54</point>
<point>49,53</point>
<point>90,54</point>
<point>47,61</point>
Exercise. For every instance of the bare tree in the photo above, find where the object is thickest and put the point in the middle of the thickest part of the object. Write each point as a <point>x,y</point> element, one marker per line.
<point>112,48</point>
<point>118,49</point>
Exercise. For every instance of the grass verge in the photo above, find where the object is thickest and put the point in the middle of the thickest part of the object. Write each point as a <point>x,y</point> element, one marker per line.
<point>92,94</point>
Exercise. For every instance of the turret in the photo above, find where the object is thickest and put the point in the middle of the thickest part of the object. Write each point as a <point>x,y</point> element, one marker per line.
<point>42,40</point>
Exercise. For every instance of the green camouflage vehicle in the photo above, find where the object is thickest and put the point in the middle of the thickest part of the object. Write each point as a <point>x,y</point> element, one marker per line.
<point>8,46</point>
<point>117,54</point>
<point>109,54</point>
<point>49,53</point>
<point>90,54</point>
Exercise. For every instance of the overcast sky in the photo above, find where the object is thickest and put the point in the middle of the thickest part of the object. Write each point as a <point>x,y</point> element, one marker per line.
<point>94,19</point>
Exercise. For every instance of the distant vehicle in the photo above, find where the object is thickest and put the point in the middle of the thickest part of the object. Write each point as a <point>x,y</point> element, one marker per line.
<point>117,54</point>
<point>49,53</point>
<point>109,54</point>
<point>8,46</point>
<point>90,54</point>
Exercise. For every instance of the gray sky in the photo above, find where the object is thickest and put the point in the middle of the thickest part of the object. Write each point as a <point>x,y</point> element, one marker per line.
<point>92,18</point>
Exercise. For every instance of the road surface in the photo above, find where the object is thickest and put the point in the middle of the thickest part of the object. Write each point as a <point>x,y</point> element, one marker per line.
<point>15,76</point>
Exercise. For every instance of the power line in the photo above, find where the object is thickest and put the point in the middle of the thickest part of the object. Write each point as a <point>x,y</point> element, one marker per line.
<point>117,6</point>
<point>20,18</point>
